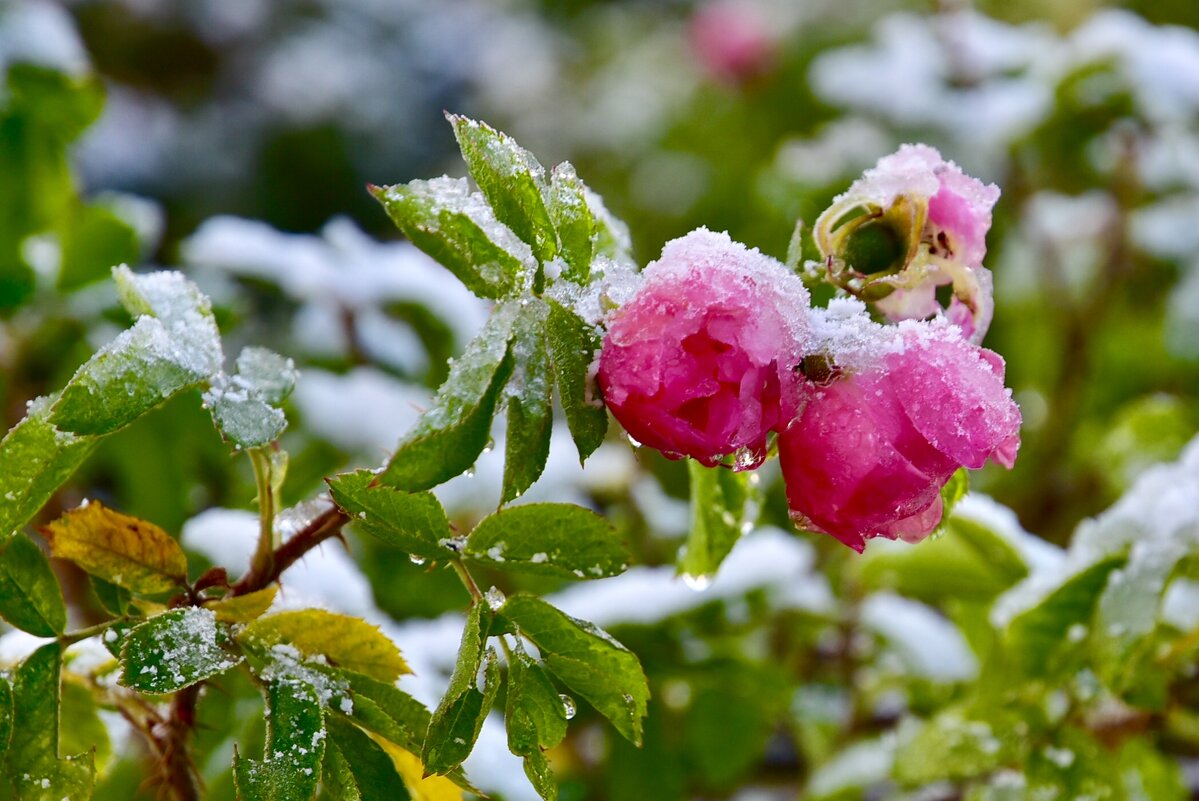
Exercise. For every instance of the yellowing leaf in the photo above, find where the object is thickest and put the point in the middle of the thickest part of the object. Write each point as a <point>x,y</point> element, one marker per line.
<point>243,608</point>
<point>120,549</point>
<point>347,642</point>
<point>408,765</point>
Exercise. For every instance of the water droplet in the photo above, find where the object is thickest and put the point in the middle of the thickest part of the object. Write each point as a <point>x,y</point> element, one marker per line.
<point>728,518</point>
<point>754,479</point>
<point>469,472</point>
<point>568,706</point>
<point>416,559</point>
<point>631,440</point>
<point>495,598</point>
<point>697,583</point>
<point>490,446</point>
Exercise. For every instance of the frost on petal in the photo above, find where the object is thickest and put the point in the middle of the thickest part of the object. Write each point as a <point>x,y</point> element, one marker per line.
<point>700,362</point>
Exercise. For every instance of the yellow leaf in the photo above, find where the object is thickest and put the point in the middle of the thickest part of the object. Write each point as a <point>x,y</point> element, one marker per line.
<point>408,765</point>
<point>347,642</point>
<point>243,608</point>
<point>120,549</point>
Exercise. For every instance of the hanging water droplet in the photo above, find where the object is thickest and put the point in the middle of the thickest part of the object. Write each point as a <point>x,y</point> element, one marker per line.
<point>754,479</point>
<point>697,583</point>
<point>568,706</point>
<point>490,446</point>
<point>495,598</point>
<point>416,559</point>
<point>469,472</point>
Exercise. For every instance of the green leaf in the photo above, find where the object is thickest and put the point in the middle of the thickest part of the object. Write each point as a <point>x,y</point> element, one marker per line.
<point>175,650</point>
<point>573,219</point>
<point>341,640</point>
<point>950,746</point>
<point>457,720</point>
<point>553,539</point>
<point>93,239</point>
<point>243,405</point>
<point>573,345</point>
<point>528,394</point>
<point>37,459</point>
<point>30,597</point>
<point>454,226</point>
<point>80,727</point>
<point>34,766</point>
<point>718,507</point>
<point>114,599</point>
<point>536,719</point>
<point>173,345</point>
<point>295,744</point>
<point>131,553</point>
<point>6,716</point>
<point>414,521</point>
<point>364,772</point>
<point>511,179</point>
<point>954,490</point>
<point>1034,636</point>
<point>586,659</point>
<point>450,435</point>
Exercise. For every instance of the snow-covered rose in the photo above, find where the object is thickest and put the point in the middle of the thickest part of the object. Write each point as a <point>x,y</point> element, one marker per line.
<point>874,444</point>
<point>701,361</point>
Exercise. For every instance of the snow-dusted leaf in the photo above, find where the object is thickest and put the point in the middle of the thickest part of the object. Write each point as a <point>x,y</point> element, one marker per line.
<point>1034,636</point>
<point>174,650</point>
<point>573,345</point>
<point>30,597</point>
<point>243,608</point>
<point>553,539</point>
<point>131,553</point>
<point>35,768</point>
<point>357,769</point>
<point>295,746</point>
<point>573,219</point>
<point>528,396</point>
<point>243,405</point>
<point>511,179</point>
<point>173,345</point>
<point>343,641</point>
<point>951,745</point>
<point>414,521</point>
<point>37,459</point>
<point>457,720</point>
<point>450,435</point>
<point>719,501</point>
<point>587,659</point>
<point>456,227</point>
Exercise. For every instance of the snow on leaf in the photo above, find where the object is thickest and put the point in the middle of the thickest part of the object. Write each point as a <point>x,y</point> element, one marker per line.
<point>344,641</point>
<point>175,650</point>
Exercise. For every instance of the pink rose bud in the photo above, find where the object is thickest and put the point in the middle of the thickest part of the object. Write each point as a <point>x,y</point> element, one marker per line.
<point>923,223</point>
<point>870,451</point>
<point>732,41</point>
<point>700,362</point>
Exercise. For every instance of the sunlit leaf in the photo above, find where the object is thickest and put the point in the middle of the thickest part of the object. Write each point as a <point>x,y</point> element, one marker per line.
<point>344,641</point>
<point>243,608</point>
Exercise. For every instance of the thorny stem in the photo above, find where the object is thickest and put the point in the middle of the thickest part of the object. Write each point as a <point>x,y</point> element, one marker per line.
<point>325,525</point>
<point>177,766</point>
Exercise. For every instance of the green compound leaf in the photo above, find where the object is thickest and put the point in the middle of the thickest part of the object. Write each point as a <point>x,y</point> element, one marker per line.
<point>719,500</point>
<point>290,769</point>
<point>174,345</point>
<point>511,179</point>
<point>573,219</point>
<point>573,345</point>
<point>553,539</point>
<point>448,438</point>
<point>414,521</point>
<point>34,766</point>
<point>175,650</point>
<point>445,219</point>
<point>37,459</point>
<point>243,405</point>
<point>457,720</point>
<point>587,659</point>
<point>357,769</point>
<point>131,553</point>
<point>30,597</point>
<point>528,395</point>
<point>1035,636</point>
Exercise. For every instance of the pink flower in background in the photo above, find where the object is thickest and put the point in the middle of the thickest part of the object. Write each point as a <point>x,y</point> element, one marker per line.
<point>939,217</point>
<point>870,451</point>
<point>701,361</point>
<point>732,40</point>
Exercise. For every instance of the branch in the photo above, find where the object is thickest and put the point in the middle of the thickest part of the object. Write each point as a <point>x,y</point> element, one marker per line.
<point>325,525</point>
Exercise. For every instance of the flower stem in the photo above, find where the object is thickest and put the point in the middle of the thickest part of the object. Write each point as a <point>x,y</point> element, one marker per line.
<point>264,555</point>
<point>467,580</point>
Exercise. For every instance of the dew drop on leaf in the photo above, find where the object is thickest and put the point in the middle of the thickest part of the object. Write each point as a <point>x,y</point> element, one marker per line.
<point>568,706</point>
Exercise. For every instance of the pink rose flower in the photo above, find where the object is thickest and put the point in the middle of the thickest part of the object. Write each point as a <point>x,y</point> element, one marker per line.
<point>939,217</point>
<point>732,41</point>
<point>905,408</point>
<point>700,362</point>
